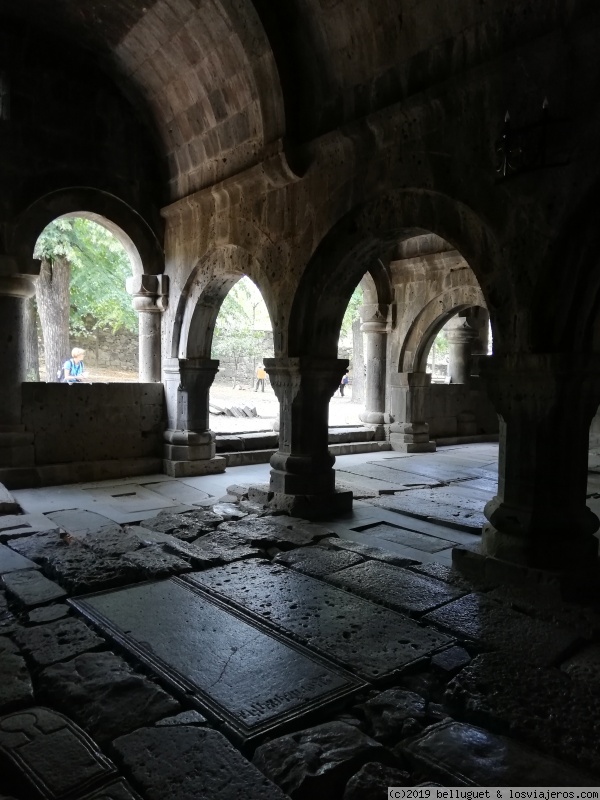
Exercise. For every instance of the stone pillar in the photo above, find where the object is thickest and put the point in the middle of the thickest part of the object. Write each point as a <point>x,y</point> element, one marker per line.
<point>302,475</point>
<point>16,446</point>
<point>190,445</point>
<point>375,328</point>
<point>460,342</point>
<point>150,299</point>
<point>539,517</point>
<point>410,400</point>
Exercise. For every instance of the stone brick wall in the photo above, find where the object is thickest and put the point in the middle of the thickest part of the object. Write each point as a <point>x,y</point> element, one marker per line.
<point>107,349</point>
<point>90,423</point>
<point>447,402</point>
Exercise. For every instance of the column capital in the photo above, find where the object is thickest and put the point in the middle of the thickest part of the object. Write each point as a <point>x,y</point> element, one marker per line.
<point>374,318</point>
<point>289,375</point>
<point>150,293</point>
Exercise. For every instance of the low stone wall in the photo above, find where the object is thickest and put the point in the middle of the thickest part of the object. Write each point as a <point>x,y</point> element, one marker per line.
<point>94,423</point>
<point>460,410</point>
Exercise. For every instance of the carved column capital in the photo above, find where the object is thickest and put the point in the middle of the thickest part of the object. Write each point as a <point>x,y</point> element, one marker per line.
<point>150,293</point>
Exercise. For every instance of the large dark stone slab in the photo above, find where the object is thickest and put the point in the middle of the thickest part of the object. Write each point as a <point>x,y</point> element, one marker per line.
<point>53,755</point>
<point>317,762</point>
<point>57,641</point>
<point>371,640</point>
<point>462,755</point>
<point>189,763</point>
<point>404,537</point>
<point>104,695</point>
<point>368,551</point>
<point>188,526</point>
<point>318,561</point>
<point>395,587</point>
<point>31,588</point>
<point>543,707</point>
<point>247,677</point>
<point>495,626</point>
<point>15,682</point>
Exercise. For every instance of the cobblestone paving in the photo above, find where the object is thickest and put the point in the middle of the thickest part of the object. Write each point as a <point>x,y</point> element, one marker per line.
<point>80,716</point>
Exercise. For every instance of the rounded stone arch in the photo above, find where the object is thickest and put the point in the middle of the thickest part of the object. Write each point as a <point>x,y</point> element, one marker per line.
<point>134,233</point>
<point>206,287</point>
<point>430,321</point>
<point>365,238</point>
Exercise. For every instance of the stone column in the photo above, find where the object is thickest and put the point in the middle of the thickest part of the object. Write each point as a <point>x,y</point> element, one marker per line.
<point>539,517</point>
<point>150,299</point>
<point>375,328</point>
<point>190,445</point>
<point>410,400</point>
<point>302,475</point>
<point>16,446</point>
<point>460,342</point>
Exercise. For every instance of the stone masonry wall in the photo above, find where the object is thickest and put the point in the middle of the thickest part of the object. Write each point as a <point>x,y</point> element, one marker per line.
<point>448,401</point>
<point>107,349</point>
<point>89,423</point>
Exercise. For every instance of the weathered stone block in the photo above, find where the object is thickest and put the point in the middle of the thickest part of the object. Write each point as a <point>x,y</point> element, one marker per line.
<point>57,641</point>
<point>15,682</point>
<point>318,761</point>
<point>31,588</point>
<point>388,712</point>
<point>463,755</point>
<point>105,695</point>
<point>185,763</point>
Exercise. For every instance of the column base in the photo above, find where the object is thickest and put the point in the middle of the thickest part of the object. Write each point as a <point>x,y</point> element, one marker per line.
<point>191,453</point>
<point>381,433</point>
<point>307,506</point>
<point>189,469</point>
<point>544,585</point>
<point>411,437</point>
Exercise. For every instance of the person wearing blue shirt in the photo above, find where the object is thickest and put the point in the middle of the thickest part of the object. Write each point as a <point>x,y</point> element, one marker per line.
<point>73,369</point>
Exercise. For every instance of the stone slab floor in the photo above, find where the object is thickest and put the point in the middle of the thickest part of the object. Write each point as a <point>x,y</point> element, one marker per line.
<point>166,638</point>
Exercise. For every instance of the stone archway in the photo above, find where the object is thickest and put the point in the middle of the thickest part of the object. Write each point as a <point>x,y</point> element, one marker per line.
<point>431,319</point>
<point>364,239</point>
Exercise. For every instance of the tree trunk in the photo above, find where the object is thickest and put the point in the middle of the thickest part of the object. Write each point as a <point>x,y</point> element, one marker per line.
<point>358,364</point>
<point>53,302</point>
<point>32,356</point>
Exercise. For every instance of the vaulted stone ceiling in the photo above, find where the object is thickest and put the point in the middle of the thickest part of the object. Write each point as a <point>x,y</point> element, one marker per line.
<point>226,80</point>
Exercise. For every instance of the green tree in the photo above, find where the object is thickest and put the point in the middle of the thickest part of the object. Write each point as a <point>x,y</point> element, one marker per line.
<point>81,286</point>
<point>350,316</point>
<point>239,337</point>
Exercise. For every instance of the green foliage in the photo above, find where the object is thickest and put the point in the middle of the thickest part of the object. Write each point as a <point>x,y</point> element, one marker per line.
<point>99,267</point>
<point>441,345</point>
<point>351,314</point>
<point>240,327</point>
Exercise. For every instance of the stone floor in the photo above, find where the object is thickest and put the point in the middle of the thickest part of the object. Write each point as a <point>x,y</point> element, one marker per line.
<point>166,638</point>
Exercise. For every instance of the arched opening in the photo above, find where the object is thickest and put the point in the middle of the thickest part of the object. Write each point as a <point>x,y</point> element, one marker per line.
<point>81,300</point>
<point>444,360</point>
<point>242,399</point>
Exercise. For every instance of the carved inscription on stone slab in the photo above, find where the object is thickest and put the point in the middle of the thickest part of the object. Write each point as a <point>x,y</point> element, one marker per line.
<point>251,679</point>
